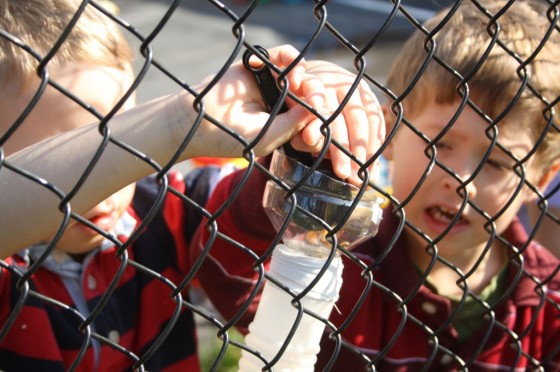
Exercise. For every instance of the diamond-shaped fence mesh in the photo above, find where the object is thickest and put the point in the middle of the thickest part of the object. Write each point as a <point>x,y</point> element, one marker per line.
<point>475,292</point>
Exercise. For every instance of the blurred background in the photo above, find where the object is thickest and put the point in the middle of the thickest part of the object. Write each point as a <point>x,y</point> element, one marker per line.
<point>198,36</point>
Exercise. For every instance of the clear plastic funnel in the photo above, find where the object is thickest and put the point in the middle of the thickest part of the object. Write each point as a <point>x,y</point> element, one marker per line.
<point>324,197</point>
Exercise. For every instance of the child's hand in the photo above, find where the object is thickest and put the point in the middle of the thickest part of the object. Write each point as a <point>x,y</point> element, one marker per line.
<point>235,100</point>
<point>360,127</point>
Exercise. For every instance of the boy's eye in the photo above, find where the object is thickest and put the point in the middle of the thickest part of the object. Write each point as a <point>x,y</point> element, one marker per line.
<point>498,165</point>
<point>442,145</point>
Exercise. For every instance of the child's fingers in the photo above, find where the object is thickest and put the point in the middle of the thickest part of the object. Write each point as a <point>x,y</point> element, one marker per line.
<point>313,93</point>
<point>377,124</point>
<point>310,138</point>
<point>376,131</point>
<point>339,132</point>
<point>359,129</point>
<point>368,133</point>
<point>298,121</point>
<point>282,57</point>
<point>353,128</point>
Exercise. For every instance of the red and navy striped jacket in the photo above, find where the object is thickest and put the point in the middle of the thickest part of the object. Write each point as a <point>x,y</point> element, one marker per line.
<point>46,336</point>
<point>389,336</point>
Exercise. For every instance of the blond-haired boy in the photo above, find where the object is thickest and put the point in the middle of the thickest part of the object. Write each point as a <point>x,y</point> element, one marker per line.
<point>144,321</point>
<point>456,283</point>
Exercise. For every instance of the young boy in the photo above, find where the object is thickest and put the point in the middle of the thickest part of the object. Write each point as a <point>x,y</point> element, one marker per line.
<point>133,235</point>
<point>491,299</point>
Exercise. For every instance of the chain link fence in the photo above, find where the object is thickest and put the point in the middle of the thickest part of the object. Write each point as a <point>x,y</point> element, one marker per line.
<point>384,319</point>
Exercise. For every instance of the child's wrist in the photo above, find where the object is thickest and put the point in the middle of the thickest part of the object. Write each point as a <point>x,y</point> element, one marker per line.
<point>181,116</point>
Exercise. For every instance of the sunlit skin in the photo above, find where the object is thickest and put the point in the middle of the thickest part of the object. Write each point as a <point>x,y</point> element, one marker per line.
<point>153,126</point>
<point>437,202</point>
<point>55,114</point>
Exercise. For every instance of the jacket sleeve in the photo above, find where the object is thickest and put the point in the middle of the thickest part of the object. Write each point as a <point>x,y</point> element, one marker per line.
<point>10,295</point>
<point>230,247</point>
<point>5,279</point>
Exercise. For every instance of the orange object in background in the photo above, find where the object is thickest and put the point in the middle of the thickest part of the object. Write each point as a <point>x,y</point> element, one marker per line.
<point>202,161</point>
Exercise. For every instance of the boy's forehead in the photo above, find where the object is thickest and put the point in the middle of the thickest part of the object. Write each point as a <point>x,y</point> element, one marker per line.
<point>50,116</point>
<point>438,118</point>
<point>54,112</point>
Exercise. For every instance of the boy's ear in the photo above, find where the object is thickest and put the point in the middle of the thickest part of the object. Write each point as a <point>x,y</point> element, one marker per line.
<point>389,119</point>
<point>545,179</point>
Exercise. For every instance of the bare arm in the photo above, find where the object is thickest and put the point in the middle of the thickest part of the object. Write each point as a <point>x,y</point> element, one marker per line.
<point>30,211</point>
<point>156,129</point>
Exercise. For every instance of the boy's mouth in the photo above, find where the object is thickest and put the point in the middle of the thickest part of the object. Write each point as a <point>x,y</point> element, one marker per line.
<point>441,217</point>
<point>441,214</point>
<point>103,220</point>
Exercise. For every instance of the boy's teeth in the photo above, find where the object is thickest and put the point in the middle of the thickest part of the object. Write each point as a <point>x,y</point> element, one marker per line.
<point>439,215</point>
<point>442,214</point>
<point>445,210</point>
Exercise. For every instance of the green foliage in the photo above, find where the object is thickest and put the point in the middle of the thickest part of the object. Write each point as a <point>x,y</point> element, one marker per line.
<point>211,346</point>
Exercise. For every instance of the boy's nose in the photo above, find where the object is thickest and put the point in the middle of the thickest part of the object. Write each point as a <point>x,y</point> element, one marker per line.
<point>452,183</point>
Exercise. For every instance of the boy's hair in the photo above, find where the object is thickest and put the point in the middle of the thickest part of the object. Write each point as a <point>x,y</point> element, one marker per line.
<point>94,39</point>
<point>462,42</point>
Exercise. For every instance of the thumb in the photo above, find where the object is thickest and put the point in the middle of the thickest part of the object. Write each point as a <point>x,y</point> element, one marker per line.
<point>283,128</point>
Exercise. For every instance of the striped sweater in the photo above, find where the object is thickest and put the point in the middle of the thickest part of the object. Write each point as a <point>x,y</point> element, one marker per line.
<point>46,335</point>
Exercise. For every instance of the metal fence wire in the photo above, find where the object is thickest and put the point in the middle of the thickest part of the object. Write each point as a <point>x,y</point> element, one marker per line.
<point>384,318</point>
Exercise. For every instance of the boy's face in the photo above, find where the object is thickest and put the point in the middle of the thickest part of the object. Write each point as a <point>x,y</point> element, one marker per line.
<point>99,86</point>
<point>461,149</point>
<point>79,239</point>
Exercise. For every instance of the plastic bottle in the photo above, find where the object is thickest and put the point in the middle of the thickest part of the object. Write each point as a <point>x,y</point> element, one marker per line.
<point>276,315</point>
<point>300,260</point>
